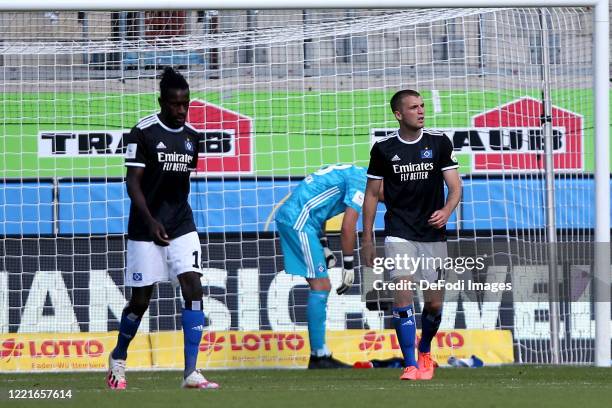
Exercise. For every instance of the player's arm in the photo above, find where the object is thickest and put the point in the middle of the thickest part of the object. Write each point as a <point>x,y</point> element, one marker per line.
<point>381,192</point>
<point>134,190</point>
<point>453,183</point>
<point>370,203</point>
<point>347,241</point>
<point>347,231</point>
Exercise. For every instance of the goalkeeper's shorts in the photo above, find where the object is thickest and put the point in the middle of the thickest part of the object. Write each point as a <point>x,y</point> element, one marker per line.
<point>148,263</point>
<point>302,252</point>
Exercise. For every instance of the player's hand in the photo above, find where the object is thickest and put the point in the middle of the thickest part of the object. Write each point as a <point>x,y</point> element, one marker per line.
<point>330,258</point>
<point>368,252</point>
<point>158,232</point>
<point>348,276</point>
<point>439,218</point>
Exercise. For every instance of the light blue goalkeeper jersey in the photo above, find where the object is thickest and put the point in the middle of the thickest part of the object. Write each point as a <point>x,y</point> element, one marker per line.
<point>322,195</point>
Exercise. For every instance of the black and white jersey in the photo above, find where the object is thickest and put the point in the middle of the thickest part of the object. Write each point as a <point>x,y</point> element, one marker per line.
<point>413,182</point>
<point>168,156</point>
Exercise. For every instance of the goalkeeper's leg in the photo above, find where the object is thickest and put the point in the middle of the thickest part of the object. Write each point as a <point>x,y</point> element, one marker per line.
<point>304,256</point>
<point>316,312</point>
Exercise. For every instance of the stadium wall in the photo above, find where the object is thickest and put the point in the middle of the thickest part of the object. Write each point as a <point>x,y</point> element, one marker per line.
<point>246,205</point>
<point>75,284</point>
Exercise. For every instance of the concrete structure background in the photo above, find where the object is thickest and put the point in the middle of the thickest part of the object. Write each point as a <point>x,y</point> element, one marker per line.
<point>484,50</point>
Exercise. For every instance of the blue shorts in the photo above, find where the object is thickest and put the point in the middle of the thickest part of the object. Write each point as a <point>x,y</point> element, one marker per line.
<point>303,252</point>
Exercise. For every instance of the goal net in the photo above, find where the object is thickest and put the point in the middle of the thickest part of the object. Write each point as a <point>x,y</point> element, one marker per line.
<point>278,94</point>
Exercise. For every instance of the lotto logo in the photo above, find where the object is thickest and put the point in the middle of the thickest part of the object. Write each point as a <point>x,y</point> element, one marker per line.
<point>211,343</point>
<point>251,342</point>
<point>10,348</point>
<point>371,342</point>
<point>137,277</point>
<point>51,348</point>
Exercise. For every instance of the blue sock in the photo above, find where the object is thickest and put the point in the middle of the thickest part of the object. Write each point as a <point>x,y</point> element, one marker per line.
<point>193,326</point>
<point>127,330</point>
<point>430,323</point>
<point>405,327</point>
<point>316,313</point>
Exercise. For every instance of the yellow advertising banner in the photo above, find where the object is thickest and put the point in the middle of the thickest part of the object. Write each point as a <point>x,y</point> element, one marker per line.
<point>491,346</point>
<point>67,351</point>
<point>236,349</point>
<point>233,349</point>
<point>334,224</point>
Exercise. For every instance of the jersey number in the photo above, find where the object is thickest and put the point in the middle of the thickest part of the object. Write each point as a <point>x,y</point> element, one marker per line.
<point>195,259</point>
<point>331,168</point>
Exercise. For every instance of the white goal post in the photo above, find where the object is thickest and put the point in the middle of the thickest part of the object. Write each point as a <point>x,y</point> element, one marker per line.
<point>600,103</point>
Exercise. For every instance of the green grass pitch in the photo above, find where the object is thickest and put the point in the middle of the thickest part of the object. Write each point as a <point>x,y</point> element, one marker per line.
<point>508,386</point>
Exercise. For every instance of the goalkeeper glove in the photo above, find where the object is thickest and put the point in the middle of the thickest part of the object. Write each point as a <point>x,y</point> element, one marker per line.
<point>330,258</point>
<point>348,275</point>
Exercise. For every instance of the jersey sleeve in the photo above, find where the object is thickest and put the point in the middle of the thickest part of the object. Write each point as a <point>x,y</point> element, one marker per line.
<point>135,149</point>
<point>354,197</point>
<point>448,161</point>
<point>376,169</point>
<point>198,146</point>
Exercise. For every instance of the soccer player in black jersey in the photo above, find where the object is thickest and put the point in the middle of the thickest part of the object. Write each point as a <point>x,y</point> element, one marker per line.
<point>163,243</point>
<point>413,164</point>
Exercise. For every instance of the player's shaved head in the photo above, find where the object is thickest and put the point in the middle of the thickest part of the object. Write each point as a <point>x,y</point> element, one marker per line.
<point>171,79</point>
<point>396,99</point>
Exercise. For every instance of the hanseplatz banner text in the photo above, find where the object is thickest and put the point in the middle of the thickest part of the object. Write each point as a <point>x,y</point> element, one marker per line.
<point>75,285</point>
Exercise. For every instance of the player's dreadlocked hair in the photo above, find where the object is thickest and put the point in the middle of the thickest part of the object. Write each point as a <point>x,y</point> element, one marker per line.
<point>171,79</point>
<point>397,98</point>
